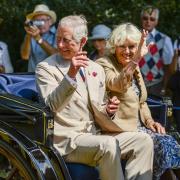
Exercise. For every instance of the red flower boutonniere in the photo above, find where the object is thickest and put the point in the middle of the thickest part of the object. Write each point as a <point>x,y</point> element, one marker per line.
<point>94,74</point>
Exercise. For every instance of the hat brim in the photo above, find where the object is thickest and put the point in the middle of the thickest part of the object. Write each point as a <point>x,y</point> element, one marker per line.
<point>96,37</point>
<point>49,13</point>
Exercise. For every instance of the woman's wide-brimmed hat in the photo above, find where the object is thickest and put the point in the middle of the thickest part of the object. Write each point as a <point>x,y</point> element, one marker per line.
<point>100,31</point>
<point>42,9</point>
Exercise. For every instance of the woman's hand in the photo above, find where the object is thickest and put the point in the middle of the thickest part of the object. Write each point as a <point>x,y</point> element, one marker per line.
<point>157,127</point>
<point>142,48</point>
<point>112,105</point>
<point>141,51</point>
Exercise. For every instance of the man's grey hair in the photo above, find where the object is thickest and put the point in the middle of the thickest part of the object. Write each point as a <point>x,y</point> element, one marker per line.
<point>78,24</point>
<point>150,9</point>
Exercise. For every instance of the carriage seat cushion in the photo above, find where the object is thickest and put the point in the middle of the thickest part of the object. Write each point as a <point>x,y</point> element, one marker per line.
<point>22,85</point>
<point>82,172</point>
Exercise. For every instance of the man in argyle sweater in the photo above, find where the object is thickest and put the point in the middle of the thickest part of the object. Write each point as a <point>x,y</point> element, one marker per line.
<point>154,64</point>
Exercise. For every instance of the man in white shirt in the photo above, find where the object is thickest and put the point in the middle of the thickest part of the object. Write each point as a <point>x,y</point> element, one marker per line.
<point>5,62</point>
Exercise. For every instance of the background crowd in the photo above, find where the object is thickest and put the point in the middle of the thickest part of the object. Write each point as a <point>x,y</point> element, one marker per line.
<point>107,12</point>
<point>159,67</point>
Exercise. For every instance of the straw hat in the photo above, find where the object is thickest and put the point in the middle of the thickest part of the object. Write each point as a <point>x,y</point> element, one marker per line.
<point>42,9</point>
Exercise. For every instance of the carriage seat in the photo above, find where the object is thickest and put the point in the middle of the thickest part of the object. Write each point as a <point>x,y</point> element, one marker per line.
<point>23,85</point>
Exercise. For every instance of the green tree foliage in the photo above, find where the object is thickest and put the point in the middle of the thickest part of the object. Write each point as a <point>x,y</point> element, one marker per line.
<point>110,12</point>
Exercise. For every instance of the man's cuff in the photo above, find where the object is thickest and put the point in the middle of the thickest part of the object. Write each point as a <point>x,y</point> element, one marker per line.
<point>72,81</point>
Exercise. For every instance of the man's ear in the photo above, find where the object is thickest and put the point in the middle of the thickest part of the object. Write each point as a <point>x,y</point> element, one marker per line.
<point>156,23</point>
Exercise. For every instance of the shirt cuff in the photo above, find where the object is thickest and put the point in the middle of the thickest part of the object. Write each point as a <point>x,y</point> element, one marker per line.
<point>72,81</point>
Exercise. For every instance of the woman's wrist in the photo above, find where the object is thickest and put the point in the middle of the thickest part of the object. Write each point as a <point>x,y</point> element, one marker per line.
<point>134,62</point>
<point>149,122</point>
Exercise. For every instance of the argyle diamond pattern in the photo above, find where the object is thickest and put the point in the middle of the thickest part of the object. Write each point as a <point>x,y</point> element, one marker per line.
<point>151,64</point>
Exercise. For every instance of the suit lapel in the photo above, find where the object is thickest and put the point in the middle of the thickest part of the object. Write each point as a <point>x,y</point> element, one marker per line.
<point>91,79</point>
<point>63,68</point>
<point>62,65</point>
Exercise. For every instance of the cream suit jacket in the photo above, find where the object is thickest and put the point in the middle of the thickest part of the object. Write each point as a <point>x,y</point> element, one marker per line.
<point>74,115</point>
<point>118,84</point>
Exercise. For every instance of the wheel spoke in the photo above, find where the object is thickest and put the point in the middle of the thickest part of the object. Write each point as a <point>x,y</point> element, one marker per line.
<point>12,173</point>
<point>13,166</point>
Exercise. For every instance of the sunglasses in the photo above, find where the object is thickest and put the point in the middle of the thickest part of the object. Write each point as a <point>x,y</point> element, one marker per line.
<point>145,18</point>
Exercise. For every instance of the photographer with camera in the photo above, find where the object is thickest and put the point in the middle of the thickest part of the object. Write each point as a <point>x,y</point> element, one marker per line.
<point>40,39</point>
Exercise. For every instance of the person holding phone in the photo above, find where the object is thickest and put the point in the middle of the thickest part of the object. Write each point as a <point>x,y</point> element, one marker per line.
<point>74,88</point>
<point>40,39</point>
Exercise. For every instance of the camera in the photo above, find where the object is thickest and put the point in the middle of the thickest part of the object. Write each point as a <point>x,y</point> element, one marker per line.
<point>34,23</point>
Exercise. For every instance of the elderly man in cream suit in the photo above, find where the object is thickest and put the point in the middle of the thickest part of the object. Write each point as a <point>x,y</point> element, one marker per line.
<point>74,87</point>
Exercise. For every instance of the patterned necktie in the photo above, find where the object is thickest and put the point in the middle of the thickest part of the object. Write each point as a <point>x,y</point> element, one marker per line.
<point>82,75</point>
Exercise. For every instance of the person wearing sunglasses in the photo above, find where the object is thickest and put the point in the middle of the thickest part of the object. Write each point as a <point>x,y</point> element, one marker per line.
<point>154,65</point>
<point>40,39</point>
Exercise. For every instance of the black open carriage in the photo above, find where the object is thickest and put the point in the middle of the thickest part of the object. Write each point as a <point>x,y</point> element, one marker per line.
<point>26,135</point>
<point>26,132</point>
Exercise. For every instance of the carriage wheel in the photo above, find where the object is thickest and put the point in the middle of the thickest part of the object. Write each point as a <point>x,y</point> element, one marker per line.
<point>12,165</point>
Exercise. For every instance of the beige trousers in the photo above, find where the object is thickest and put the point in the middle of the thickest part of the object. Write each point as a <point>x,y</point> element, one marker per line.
<point>105,151</point>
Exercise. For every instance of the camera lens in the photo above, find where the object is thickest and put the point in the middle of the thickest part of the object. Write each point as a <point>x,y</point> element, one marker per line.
<point>38,23</point>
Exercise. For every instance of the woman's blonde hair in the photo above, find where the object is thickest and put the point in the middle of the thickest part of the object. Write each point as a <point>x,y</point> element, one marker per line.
<point>121,33</point>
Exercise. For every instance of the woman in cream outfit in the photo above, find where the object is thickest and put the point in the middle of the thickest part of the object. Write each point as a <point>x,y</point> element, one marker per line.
<point>124,80</point>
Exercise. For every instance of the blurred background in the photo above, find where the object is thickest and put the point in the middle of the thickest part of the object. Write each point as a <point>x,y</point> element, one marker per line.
<point>109,12</point>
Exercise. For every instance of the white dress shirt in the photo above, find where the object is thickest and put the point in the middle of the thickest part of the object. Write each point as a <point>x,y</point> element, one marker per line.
<point>4,58</point>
